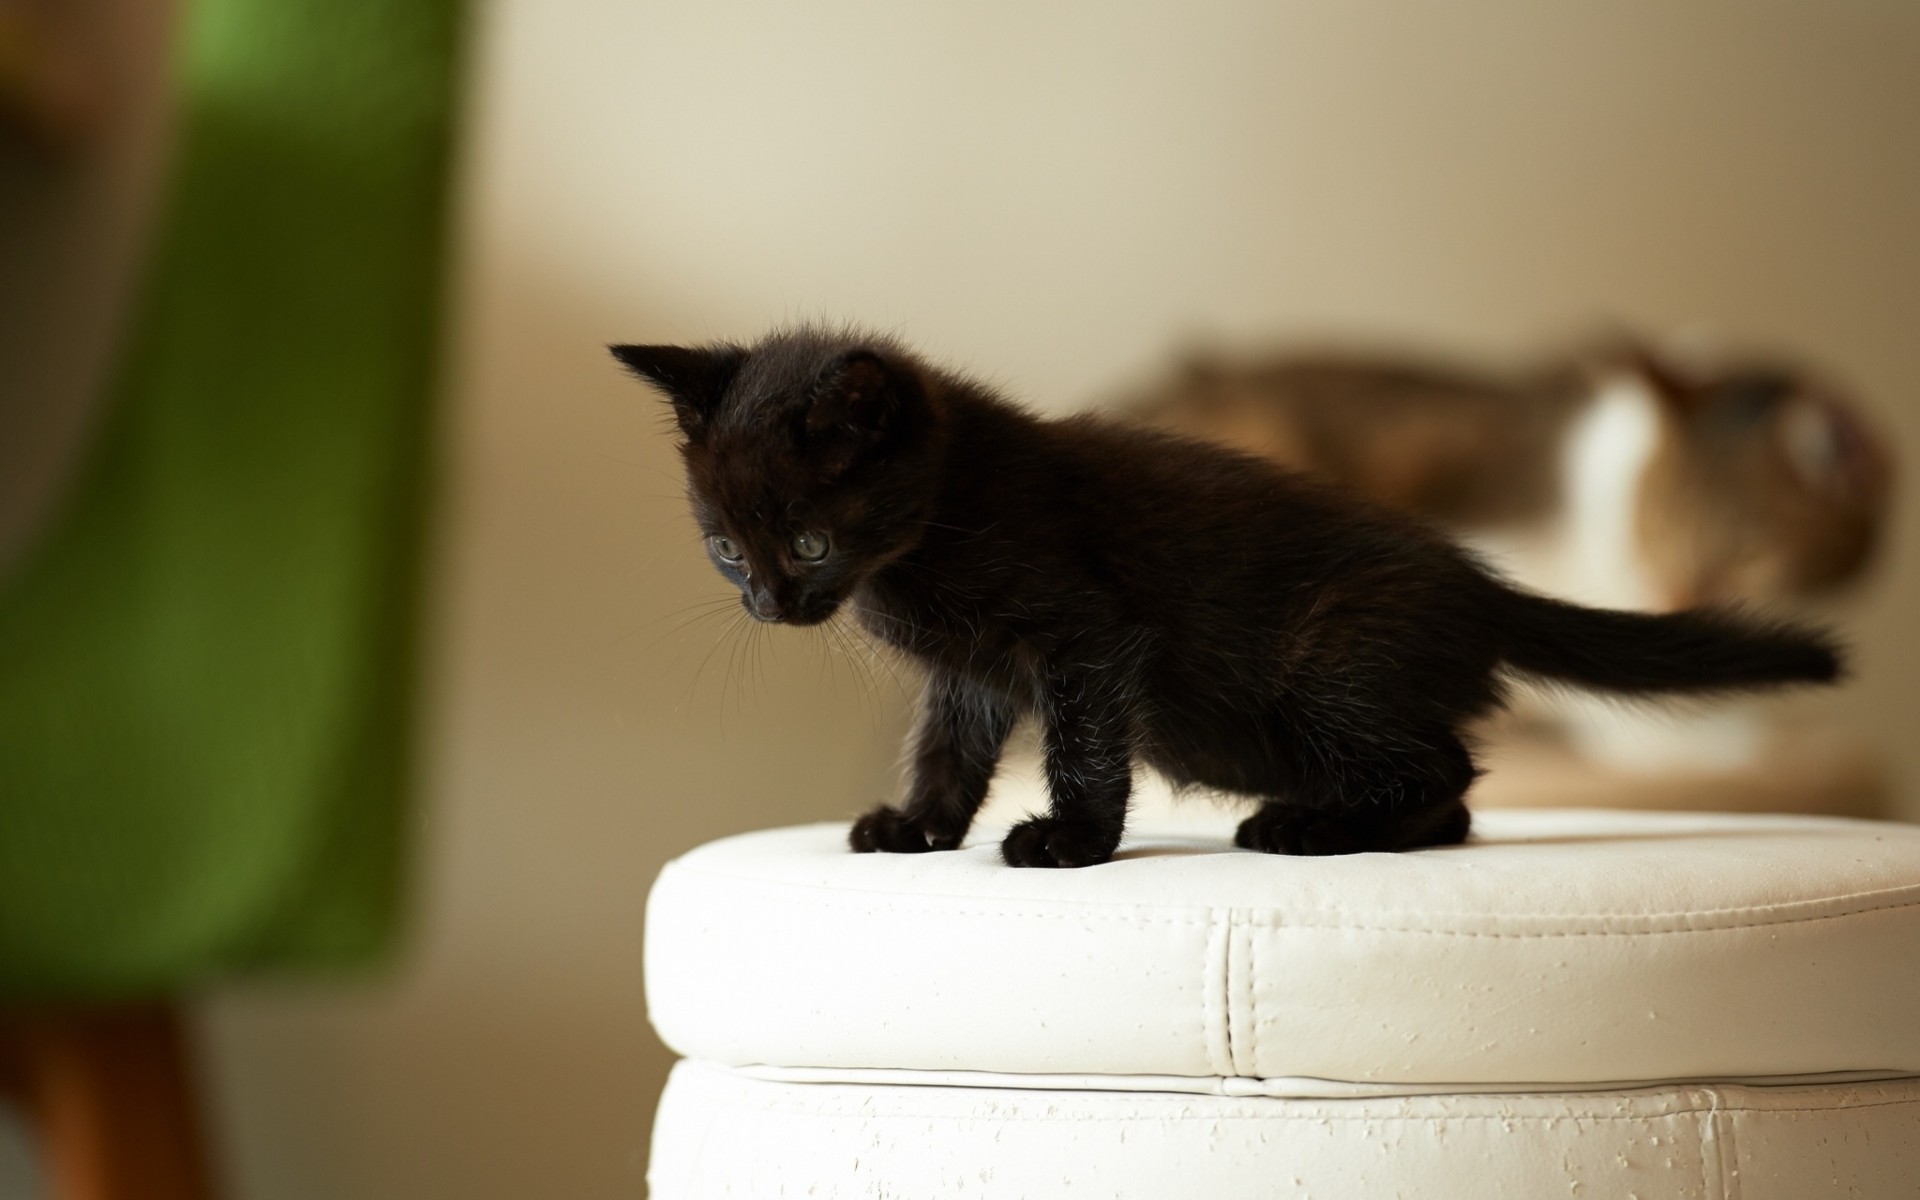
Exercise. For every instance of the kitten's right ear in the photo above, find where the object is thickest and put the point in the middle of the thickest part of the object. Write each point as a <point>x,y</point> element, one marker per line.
<point>694,378</point>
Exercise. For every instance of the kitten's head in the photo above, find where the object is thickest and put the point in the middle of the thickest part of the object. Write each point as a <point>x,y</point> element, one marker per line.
<point>811,458</point>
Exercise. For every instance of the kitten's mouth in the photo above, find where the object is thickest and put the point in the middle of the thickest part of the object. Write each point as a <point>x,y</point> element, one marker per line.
<point>800,619</point>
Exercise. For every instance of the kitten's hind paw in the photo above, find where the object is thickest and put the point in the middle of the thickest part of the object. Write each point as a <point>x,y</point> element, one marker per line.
<point>1283,829</point>
<point>1053,842</point>
<point>1277,829</point>
<point>894,832</point>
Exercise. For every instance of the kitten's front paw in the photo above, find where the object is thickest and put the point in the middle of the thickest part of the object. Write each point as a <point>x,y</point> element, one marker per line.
<point>1277,829</point>
<point>894,832</point>
<point>1052,842</point>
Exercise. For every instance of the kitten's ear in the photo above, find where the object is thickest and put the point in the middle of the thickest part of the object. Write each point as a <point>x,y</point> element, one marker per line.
<point>694,378</point>
<point>858,405</point>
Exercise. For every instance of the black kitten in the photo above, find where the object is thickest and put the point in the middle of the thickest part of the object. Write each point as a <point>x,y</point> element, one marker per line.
<point>1229,623</point>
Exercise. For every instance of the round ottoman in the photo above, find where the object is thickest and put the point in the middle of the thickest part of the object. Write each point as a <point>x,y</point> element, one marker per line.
<point>1573,1003</point>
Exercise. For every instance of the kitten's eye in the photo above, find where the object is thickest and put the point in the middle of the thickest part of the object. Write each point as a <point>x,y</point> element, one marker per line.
<point>809,546</point>
<point>725,548</point>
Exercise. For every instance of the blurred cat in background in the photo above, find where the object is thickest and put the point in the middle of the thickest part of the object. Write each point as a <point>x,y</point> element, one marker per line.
<point>1625,475</point>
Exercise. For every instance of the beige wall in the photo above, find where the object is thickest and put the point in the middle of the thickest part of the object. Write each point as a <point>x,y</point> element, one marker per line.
<point>1055,194</point>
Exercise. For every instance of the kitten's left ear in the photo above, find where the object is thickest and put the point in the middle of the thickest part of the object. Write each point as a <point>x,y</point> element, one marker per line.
<point>858,404</point>
<point>693,377</point>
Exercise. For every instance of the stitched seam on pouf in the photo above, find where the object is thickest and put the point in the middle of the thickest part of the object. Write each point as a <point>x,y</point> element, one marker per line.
<point>1723,1132</point>
<point>1253,1004</point>
<point>841,889</point>
<point>1696,1108</point>
<point>1677,1115</point>
<point>864,899</point>
<point>1282,920</point>
<point>1239,940</point>
<point>1214,981</point>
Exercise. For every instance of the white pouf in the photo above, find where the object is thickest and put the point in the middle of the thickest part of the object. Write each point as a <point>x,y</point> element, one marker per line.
<point>1663,1004</point>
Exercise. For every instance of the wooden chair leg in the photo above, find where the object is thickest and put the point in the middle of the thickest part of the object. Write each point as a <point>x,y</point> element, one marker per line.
<point>108,1092</point>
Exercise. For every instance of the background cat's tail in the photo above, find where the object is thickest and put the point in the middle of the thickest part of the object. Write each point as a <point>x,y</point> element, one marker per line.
<point>1700,650</point>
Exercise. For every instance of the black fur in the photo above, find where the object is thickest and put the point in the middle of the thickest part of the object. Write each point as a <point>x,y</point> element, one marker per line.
<point>1144,596</point>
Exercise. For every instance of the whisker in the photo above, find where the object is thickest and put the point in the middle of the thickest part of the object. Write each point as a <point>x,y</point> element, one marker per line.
<point>726,635</point>
<point>690,616</point>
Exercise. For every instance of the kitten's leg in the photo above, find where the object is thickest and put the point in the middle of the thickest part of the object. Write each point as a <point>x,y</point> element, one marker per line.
<point>1089,767</point>
<point>1397,796</point>
<point>956,746</point>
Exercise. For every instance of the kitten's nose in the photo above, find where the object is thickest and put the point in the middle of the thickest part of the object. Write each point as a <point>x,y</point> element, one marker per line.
<point>765,606</point>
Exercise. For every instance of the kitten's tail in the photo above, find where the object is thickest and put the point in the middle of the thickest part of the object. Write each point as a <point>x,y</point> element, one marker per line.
<point>1699,650</point>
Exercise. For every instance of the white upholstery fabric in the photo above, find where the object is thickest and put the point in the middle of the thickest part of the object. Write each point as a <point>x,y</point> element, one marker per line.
<point>1558,950</point>
<point>723,1133</point>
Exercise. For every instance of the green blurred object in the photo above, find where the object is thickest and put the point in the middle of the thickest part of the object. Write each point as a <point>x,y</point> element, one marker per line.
<point>206,665</point>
